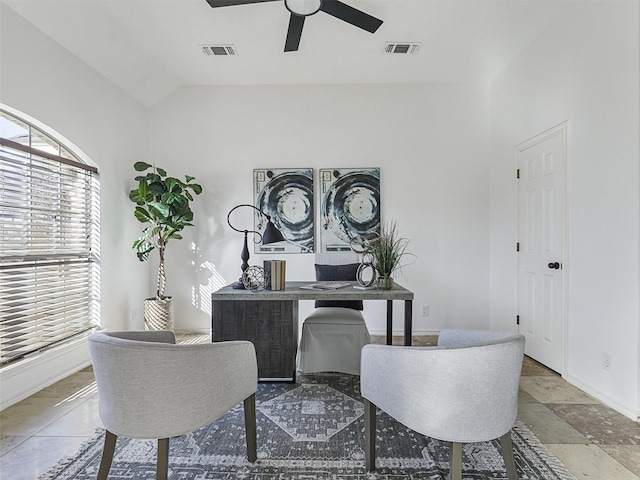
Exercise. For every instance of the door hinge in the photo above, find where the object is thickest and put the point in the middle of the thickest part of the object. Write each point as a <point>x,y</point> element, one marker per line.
<point>518,173</point>
<point>517,319</point>
<point>517,246</point>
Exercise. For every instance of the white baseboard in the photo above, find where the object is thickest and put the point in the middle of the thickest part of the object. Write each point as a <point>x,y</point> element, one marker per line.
<point>604,398</point>
<point>25,377</point>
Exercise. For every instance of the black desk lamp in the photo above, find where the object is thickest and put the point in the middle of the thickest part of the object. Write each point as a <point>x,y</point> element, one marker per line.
<point>270,235</point>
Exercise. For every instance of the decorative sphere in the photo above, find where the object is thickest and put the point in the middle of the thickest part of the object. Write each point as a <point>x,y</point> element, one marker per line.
<point>255,278</point>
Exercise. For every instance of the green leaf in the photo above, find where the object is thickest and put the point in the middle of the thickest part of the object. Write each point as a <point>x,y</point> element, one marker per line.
<point>158,211</point>
<point>154,177</point>
<point>167,235</point>
<point>143,247</point>
<point>156,189</point>
<point>134,196</point>
<point>161,171</point>
<point>142,215</point>
<point>141,166</point>
<point>170,183</point>
<point>197,189</point>
<point>188,178</point>
<point>168,198</point>
<point>143,255</point>
<point>143,189</point>
<point>188,195</point>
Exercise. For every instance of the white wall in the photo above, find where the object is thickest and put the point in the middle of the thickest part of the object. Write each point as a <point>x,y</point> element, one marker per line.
<point>583,69</point>
<point>46,82</point>
<point>430,142</point>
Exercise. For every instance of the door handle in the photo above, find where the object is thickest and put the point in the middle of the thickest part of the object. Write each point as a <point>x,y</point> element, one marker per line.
<point>554,265</point>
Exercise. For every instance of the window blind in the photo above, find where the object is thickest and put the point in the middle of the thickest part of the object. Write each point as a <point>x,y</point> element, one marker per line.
<point>49,249</point>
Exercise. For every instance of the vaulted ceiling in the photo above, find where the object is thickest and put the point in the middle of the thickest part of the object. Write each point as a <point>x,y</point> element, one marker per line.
<point>149,48</point>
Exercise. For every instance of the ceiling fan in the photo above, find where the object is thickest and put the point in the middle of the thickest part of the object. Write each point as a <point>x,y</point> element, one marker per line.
<point>300,9</point>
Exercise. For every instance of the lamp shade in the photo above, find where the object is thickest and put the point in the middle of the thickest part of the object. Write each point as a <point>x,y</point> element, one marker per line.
<point>271,234</point>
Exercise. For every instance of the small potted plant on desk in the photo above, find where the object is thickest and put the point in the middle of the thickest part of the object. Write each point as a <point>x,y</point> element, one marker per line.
<point>163,203</point>
<point>387,251</point>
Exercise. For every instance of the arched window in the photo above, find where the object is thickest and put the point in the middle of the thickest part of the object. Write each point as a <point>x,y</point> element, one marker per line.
<point>49,240</point>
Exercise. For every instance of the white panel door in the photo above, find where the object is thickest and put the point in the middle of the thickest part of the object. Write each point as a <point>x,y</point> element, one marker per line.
<point>541,167</point>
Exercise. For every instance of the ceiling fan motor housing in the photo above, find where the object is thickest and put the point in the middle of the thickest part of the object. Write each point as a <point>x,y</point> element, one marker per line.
<point>303,8</point>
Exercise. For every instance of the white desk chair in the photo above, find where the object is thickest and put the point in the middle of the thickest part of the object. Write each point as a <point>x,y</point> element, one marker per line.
<point>335,332</point>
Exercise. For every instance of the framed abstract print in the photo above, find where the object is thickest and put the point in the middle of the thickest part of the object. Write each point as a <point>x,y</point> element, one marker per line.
<point>349,206</point>
<point>286,195</point>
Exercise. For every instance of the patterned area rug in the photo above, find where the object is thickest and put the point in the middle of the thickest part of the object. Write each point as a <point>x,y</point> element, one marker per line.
<point>311,430</point>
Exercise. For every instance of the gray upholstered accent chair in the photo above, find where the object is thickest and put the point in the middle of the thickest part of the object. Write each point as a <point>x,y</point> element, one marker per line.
<point>335,332</point>
<point>149,387</point>
<point>464,390</point>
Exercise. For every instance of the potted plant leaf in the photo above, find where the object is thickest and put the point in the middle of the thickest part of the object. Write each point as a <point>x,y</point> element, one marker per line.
<point>163,204</point>
<point>387,250</point>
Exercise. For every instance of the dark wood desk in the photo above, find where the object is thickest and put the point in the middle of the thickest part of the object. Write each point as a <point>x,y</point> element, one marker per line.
<point>269,319</point>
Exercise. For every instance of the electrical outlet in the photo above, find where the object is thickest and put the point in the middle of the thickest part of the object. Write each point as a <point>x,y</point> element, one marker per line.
<point>606,361</point>
<point>425,310</point>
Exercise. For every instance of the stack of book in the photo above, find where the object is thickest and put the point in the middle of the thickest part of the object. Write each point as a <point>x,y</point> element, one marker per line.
<point>276,270</point>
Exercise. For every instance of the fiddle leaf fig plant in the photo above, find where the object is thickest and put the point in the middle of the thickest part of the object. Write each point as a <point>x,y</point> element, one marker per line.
<point>163,203</point>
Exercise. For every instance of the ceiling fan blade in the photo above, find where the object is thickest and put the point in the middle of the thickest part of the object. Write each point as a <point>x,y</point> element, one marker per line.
<point>351,15</point>
<point>294,33</point>
<point>228,3</point>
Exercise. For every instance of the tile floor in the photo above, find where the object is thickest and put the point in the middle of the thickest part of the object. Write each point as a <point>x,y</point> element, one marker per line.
<point>593,441</point>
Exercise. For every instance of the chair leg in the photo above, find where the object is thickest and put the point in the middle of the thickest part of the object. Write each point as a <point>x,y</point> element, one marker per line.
<point>162,471</point>
<point>370,435</point>
<point>507,453</point>
<point>107,455</point>
<point>455,461</point>
<point>250,427</point>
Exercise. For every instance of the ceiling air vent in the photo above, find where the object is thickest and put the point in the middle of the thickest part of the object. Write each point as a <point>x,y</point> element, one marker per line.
<point>402,47</point>
<point>210,50</point>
